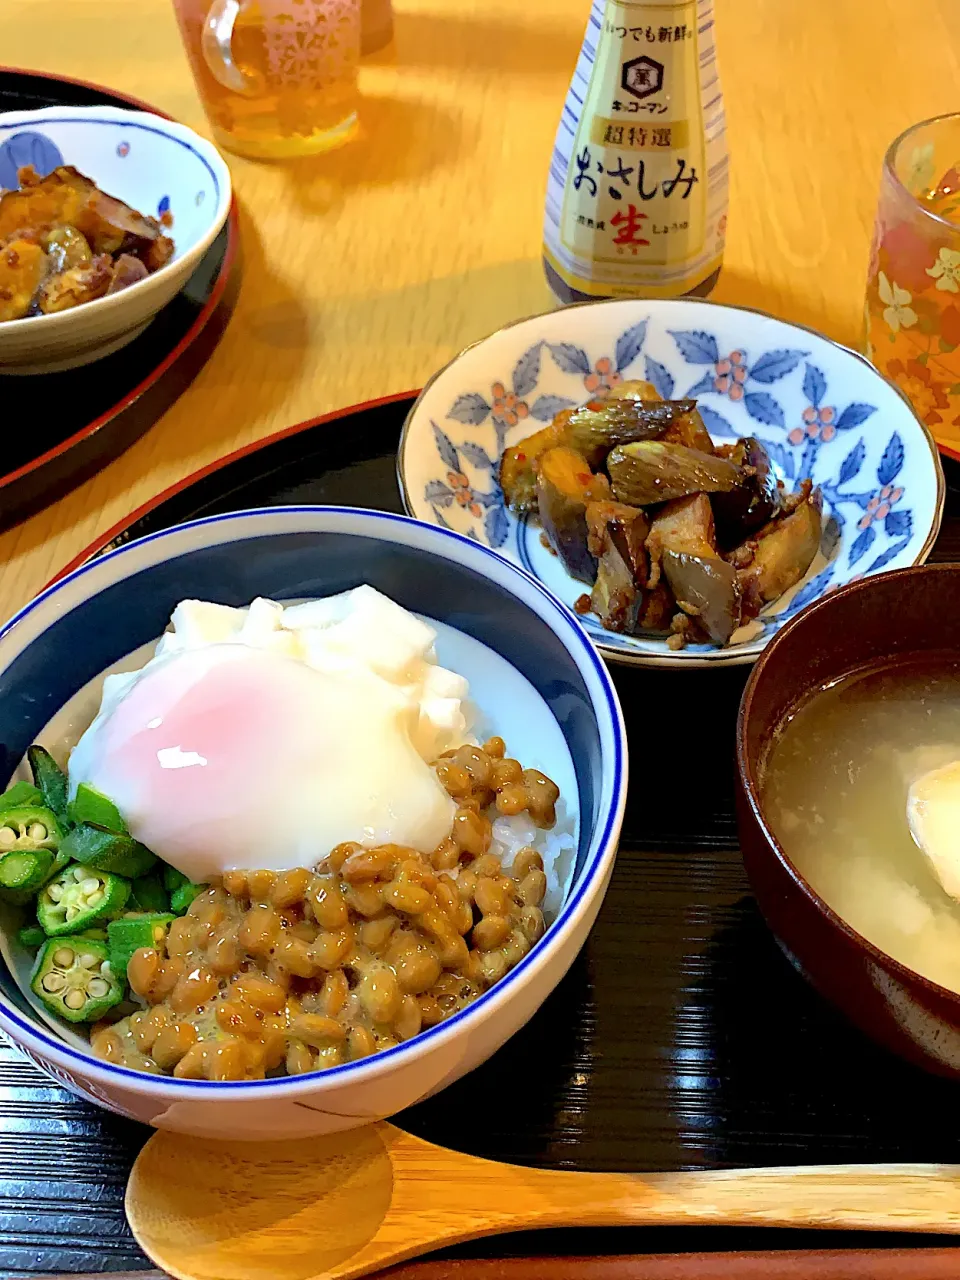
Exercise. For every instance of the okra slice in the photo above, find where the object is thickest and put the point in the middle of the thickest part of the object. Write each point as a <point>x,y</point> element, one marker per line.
<point>130,933</point>
<point>23,872</point>
<point>50,778</point>
<point>91,805</point>
<point>79,897</point>
<point>105,850</point>
<point>75,980</point>
<point>20,794</point>
<point>31,936</point>
<point>28,828</point>
<point>182,891</point>
<point>181,898</point>
<point>149,894</point>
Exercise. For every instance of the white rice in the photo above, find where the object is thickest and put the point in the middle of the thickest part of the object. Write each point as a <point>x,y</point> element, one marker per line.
<point>557,847</point>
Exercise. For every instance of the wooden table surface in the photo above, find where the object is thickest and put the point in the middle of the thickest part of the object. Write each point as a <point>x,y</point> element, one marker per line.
<point>368,268</point>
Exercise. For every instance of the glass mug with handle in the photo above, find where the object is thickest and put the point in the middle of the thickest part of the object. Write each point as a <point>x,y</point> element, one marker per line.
<point>912,308</point>
<point>278,78</point>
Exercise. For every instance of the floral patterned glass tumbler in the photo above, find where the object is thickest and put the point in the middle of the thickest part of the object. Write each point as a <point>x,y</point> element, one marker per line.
<point>278,78</point>
<point>912,310</point>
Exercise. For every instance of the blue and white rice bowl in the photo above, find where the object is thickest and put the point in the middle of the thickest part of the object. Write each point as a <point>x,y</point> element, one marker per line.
<point>534,675</point>
<point>822,411</point>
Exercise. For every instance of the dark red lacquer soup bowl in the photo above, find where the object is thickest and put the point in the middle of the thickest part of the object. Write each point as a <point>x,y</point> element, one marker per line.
<point>890,618</point>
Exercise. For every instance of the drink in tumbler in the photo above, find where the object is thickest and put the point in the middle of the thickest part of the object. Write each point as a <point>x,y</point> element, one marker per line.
<point>277,78</point>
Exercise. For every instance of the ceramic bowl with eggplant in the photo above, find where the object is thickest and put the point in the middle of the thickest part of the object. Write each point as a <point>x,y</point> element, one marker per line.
<point>686,475</point>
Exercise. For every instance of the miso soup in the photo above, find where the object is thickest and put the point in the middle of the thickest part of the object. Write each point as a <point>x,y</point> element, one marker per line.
<point>835,786</point>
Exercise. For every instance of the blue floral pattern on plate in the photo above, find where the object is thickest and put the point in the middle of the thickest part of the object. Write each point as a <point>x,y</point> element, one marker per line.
<point>821,412</point>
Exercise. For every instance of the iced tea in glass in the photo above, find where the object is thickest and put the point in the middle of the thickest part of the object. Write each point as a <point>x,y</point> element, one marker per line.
<point>277,78</point>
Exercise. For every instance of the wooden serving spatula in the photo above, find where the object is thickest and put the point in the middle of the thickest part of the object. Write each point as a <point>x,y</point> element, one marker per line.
<point>351,1203</point>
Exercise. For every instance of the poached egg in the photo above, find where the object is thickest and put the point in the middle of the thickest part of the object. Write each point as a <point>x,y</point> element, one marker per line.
<point>263,737</point>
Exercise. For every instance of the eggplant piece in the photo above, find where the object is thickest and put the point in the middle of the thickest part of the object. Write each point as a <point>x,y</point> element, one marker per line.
<point>706,589</point>
<point>565,485</point>
<point>651,471</point>
<point>781,554</point>
<point>657,609</point>
<point>127,270</point>
<point>754,501</point>
<point>685,526</point>
<point>593,430</point>
<point>66,197</point>
<point>687,428</point>
<point>616,535</point>
<point>600,425</point>
<point>75,286</point>
<point>23,265</point>
<point>518,466</point>
<point>634,390</point>
<point>66,248</point>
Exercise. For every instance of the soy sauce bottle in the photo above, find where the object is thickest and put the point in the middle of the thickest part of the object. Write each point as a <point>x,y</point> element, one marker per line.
<point>637,191</point>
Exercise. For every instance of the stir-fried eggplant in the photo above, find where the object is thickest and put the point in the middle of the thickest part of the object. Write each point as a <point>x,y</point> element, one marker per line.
<point>602,424</point>
<point>684,526</point>
<point>753,501</point>
<point>76,285</point>
<point>687,428</point>
<point>677,536</point>
<point>651,471</point>
<point>593,430</point>
<point>706,588</point>
<point>634,390</point>
<point>23,265</point>
<point>565,485</point>
<point>616,535</point>
<point>781,553</point>
<point>656,609</point>
<point>518,466</point>
<point>58,238</point>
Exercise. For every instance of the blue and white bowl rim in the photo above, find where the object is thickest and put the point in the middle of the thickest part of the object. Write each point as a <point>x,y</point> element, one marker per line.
<point>601,850</point>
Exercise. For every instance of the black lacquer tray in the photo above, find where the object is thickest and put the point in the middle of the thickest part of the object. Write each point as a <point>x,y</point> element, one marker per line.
<point>81,419</point>
<point>680,1039</point>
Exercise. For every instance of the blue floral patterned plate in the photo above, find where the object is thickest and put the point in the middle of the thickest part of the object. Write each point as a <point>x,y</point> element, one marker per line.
<point>821,410</point>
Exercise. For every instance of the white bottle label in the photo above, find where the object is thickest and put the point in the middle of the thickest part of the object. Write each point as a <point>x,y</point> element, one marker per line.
<point>637,193</point>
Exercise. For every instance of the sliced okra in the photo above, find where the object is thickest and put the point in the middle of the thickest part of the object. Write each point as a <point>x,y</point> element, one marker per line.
<point>29,827</point>
<point>79,897</point>
<point>20,794</point>
<point>131,932</point>
<point>50,778</point>
<point>91,805</point>
<point>74,979</point>
<point>181,898</point>
<point>149,893</point>
<point>23,872</point>
<point>105,850</point>
<point>182,891</point>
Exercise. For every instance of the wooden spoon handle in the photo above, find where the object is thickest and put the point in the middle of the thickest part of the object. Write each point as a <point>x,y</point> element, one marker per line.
<point>885,1197</point>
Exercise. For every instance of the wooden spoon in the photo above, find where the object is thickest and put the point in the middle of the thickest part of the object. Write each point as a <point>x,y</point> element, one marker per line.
<point>350,1203</point>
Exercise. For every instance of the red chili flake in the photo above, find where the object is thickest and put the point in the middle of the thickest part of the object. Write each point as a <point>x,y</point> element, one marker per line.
<point>585,477</point>
<point>581,604</point>
<point>521,457</point>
